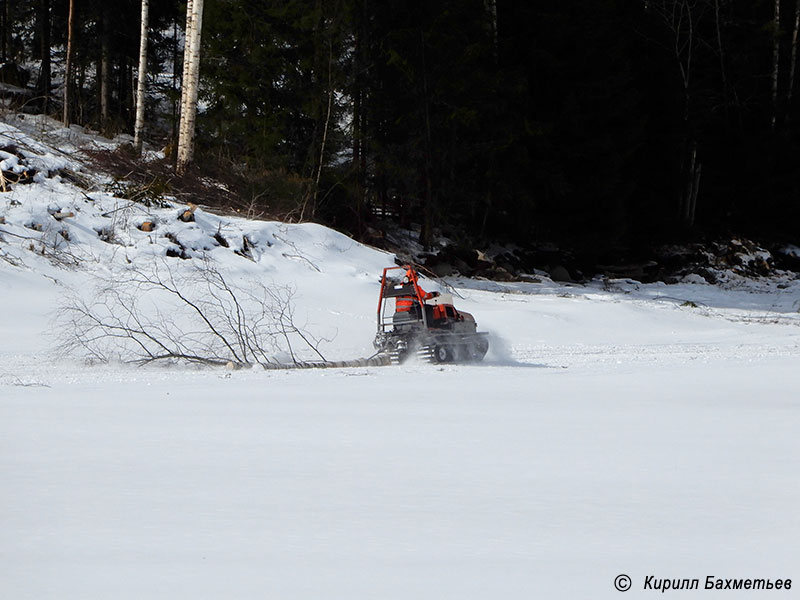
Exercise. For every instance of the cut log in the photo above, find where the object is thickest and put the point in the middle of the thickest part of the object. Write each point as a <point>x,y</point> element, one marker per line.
<point>187,216</point>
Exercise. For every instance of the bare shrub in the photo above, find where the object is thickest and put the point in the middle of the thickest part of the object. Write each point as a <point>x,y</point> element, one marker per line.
<point>190,314</point>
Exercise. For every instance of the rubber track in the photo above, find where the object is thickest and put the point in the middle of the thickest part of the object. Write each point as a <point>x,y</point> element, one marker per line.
<point>426,353</point>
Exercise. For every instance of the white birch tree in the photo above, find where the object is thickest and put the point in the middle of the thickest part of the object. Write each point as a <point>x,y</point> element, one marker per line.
<point>68,67</point>
<point>141,86</point>
<point>191,76</point>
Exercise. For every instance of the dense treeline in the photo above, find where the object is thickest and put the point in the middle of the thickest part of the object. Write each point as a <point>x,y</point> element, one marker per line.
<point>605,125</point>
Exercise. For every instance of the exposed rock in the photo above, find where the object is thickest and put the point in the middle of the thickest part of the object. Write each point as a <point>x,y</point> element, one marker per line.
<point>496,273</point>
<point>442,269</point>
<point>638,271</point>
<point>560,273</point>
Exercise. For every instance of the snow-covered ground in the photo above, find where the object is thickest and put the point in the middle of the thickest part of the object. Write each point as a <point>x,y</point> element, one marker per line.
<point>614,428</point>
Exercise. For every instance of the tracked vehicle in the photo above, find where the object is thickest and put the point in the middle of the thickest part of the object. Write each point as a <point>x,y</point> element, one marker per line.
<point>412,322</point>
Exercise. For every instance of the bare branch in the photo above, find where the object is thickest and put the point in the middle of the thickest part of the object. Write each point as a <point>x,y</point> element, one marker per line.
<point>156,313</point>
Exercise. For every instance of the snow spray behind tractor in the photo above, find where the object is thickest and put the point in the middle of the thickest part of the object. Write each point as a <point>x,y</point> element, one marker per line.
<point>424,324</point>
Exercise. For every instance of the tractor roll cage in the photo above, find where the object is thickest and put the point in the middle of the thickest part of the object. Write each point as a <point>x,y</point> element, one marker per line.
<point>394,288</point>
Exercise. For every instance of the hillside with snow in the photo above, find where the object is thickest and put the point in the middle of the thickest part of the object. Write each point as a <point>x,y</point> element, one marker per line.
<point>614,427</point>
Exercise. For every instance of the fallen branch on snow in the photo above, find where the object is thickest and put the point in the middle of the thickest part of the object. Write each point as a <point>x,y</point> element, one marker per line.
<point>192,315</point>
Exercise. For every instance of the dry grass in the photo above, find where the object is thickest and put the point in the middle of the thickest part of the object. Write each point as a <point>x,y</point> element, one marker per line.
<point>222,188</point>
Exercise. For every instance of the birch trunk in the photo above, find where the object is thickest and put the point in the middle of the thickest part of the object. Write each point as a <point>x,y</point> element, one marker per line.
<point>68,67</point>
<point>191,74</point>
<point>186,48</point>
<point>324,132</point>
<point>174,133</point>
<point>141,86</point>
<point>776,51</point>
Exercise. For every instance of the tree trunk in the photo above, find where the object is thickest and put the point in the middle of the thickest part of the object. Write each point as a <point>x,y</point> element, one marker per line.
<point>360,111</point>
<point>105,68</point>
<point>324,133</point>
<point>693,198</point>
<point>776,51</point>
<point>191,73</point>
<point>187,35</point>
<point>174,136</point>
<point>4,30</point>
<point>720,49</point>
<point>130,94</point>
<point>793,64</point>
<point>44,82</point>
<point>140,88</point>
<point>78,102</point>
<point>355,167</point>
<point>491,8</point>
<point>426,229</point>
<point>692,169</point>
<point>68,67</point>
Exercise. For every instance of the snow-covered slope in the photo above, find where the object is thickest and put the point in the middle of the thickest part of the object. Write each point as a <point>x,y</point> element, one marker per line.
<point>614,427</point>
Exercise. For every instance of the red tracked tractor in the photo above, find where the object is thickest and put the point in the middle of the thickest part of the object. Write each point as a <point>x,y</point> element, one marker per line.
<point>425,324</point>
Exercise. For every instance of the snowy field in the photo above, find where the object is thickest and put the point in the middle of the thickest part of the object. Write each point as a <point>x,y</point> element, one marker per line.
<point>613,428</point>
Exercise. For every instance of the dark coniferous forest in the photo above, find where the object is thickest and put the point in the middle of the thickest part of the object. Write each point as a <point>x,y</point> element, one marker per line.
<point>605,127</point>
